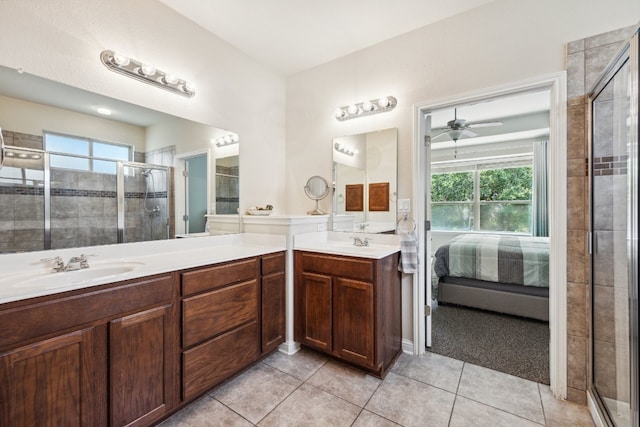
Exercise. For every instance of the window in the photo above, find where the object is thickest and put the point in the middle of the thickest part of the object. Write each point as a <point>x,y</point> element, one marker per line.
<point>484,199</point>
<point>85,154</point>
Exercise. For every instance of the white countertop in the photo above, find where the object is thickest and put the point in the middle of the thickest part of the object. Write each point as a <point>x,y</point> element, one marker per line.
<point>339,243</point>
<point>24,276</point>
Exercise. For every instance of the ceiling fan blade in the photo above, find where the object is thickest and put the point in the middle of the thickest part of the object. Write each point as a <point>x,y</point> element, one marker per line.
<point>484,124</point>
<point>444,132</point>
<point>469,133</point>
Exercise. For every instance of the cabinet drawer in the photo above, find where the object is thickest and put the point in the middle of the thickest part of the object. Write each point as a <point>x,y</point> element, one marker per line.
<point>213,361</point>
<point>214,277</point>
<point>207,315</point>
<point>351,268</point>
<point>273,263</point>
<point>50,316</point>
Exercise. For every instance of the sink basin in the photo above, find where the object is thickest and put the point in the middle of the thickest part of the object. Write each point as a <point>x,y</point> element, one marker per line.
<point>52,280</point>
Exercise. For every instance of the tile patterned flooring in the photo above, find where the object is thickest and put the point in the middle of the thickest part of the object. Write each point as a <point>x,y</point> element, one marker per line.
<point>307,389</point>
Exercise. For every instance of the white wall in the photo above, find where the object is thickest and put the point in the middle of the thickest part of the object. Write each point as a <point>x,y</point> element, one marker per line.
<point>502,42</point>
<point>22,116</point>
<point>61,40</point>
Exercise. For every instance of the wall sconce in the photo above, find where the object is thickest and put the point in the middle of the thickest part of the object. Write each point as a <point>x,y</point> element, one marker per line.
<point>344,149</point>
<point>228,139</point>
<point>375,106</point>
<point>145,73</point>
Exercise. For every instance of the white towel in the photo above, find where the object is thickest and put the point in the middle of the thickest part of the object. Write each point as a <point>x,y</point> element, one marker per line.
<point>408,253</point>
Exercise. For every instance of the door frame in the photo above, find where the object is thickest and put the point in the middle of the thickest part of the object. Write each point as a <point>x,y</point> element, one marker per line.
<point>180,185</point>
<point>556,84</point>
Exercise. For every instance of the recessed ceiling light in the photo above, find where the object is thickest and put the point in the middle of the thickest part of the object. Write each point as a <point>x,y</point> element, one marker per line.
<point>104,111</point>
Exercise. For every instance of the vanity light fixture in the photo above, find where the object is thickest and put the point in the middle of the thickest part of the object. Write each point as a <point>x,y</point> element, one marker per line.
<point>231,138</point>
<point>145,73</point>
<point>344,149</point>
<point>365,108</point>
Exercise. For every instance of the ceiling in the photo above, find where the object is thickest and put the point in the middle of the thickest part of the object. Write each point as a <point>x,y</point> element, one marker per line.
<point>290,36</point>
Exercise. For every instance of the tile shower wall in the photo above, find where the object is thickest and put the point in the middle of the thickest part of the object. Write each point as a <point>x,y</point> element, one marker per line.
<point>83,207</point>
<point>22,204</point>
<point>586,59</point>
<point>227,189</point>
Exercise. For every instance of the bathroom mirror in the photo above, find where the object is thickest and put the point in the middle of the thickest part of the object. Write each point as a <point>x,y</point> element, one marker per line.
<point>31,105</point>
<point>365,182</point>
<point>317,188</point>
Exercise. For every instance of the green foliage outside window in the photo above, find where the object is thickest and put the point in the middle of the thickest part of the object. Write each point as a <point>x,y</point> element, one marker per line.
<point>452,187</point>
<point>512,186</point>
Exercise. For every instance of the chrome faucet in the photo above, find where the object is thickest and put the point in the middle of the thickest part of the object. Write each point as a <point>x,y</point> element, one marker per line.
<point>58,264</point>
<point>75,263</point>
<point>357,241</point>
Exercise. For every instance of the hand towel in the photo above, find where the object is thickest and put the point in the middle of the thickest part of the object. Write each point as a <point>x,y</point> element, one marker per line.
<point>408,253</point>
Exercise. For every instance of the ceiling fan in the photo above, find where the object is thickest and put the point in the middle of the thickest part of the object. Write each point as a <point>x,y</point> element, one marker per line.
<point>457,128</point>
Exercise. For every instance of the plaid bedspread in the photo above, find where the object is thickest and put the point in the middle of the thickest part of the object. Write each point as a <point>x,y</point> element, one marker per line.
<point>521,260</point>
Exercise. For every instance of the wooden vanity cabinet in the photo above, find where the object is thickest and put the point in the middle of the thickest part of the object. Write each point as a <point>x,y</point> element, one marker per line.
<point>232,313</point>
<point>132,352</point>
<point>349,307</point>
<point>272,301</point>
<point>104,356</point>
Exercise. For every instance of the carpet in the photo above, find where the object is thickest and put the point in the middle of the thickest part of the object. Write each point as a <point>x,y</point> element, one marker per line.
<point>509,344</point>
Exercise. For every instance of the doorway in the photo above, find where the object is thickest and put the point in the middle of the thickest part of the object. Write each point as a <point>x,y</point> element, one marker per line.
<point>555,85</point>
<point>192,191</point>
<point>196,191</point>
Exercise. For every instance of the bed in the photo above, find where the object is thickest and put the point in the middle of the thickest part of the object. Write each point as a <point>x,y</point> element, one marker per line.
<point>503,273</point>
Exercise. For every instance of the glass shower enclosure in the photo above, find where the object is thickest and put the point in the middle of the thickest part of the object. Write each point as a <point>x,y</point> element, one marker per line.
<point>54,201</point>
<point>613,239</point>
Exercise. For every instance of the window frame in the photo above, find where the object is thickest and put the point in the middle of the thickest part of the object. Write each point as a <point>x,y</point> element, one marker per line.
<point>90,157</point>
<point>475,166</point>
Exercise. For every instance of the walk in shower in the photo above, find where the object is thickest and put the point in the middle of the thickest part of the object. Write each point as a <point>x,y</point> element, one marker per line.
<point>613,240</point>
<point>52,200</point>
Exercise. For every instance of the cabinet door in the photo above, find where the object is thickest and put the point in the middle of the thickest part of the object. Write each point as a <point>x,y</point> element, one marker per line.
<point>141,378</point>
<point>273,311</point>
<point>316,311</point>
<point>55,382</point>
<point>353,321</point>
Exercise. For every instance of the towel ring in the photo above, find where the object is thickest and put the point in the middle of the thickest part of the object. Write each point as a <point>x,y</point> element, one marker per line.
<point>405,224</point>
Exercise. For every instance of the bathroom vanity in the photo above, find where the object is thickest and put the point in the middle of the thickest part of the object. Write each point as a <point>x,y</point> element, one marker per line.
<point>130,348</point>
<point>348,301</point>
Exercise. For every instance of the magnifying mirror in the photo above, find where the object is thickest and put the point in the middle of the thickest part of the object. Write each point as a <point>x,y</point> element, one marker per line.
<point>316,189</point>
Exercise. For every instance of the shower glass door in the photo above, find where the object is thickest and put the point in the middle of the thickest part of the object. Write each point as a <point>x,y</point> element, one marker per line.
<point>145,198</point>
<point>22,201</point>
<point>614,232</point>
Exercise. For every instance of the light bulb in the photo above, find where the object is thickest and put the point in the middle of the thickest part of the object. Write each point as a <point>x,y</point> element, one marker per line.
<point>147,70</point>
<point>120,60</point>
<point>352,109</point>
<point>367,106</point>
<point>188,87</point>
<point>170,79</point>
<point>227,139</point>
<point>383,102</point>
<point>235,138</point>
<point>339,113</point>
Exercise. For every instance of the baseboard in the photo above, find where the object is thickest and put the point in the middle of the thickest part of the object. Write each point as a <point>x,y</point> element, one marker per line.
<point>289,347</point>
<point>407,346</point>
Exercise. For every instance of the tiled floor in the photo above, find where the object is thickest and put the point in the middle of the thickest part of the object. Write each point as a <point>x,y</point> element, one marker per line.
<point>307,389</point>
